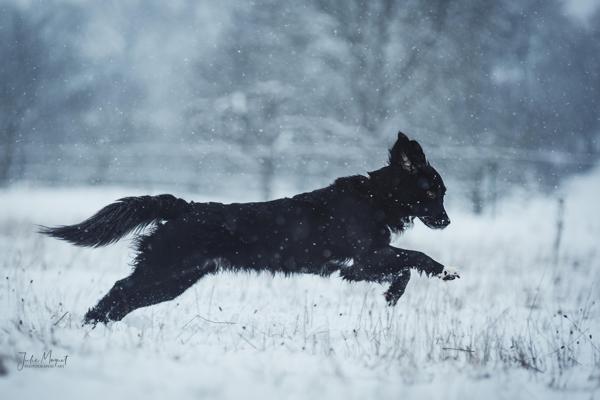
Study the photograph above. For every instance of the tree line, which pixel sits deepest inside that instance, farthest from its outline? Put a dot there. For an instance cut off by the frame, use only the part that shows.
(269, 77)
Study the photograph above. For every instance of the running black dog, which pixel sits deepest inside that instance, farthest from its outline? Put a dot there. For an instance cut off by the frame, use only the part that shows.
(345, 226)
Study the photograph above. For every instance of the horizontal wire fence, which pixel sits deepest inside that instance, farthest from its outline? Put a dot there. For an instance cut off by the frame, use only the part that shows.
(477, 174)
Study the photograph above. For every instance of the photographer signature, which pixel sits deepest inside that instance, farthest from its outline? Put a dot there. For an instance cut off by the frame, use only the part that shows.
(47, 360)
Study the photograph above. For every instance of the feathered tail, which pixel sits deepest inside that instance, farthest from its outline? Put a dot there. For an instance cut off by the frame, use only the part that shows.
(118, 219)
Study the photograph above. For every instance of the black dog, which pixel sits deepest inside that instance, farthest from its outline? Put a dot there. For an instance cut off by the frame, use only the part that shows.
(345, 226)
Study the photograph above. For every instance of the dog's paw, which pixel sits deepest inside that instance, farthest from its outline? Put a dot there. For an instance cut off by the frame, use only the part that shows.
(448, 274)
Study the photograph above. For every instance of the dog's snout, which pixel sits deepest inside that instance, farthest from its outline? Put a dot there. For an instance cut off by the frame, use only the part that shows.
(444, 220)
(436, 222)
(441, 223)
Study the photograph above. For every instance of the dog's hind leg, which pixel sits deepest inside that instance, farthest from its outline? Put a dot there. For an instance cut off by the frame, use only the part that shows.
(148, 286)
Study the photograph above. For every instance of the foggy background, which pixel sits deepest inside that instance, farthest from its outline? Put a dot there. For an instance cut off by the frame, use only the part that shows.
(240, 101)
(272, 97)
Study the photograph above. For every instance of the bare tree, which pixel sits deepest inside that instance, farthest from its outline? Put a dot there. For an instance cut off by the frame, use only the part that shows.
(22, 54)
(33, 74)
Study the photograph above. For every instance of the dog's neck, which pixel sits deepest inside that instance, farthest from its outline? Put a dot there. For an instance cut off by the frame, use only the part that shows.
(368, 190)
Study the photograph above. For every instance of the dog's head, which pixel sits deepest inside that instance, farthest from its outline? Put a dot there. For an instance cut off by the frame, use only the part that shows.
(410, 186)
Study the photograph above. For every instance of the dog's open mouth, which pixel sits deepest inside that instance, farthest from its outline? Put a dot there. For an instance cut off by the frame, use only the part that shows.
(436, 222)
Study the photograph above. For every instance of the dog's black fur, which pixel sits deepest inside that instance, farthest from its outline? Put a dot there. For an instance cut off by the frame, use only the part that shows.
(345, 226)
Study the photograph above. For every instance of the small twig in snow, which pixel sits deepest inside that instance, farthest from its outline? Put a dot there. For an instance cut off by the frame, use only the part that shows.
(458, 349)
(247, 341)
(61, 318)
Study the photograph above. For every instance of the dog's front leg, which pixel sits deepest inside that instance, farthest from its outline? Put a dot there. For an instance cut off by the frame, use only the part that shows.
(381, 265)
(391, 264)
(397, 287)
(422, 263)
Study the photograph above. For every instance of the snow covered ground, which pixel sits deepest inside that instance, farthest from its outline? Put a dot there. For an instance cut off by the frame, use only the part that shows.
(522, 322)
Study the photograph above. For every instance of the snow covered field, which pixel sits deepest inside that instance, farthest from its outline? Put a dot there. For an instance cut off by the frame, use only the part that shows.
(522, 322)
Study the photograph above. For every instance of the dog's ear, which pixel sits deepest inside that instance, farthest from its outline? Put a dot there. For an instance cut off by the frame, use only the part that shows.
(416, 154)
(398, 151)
(407, 154)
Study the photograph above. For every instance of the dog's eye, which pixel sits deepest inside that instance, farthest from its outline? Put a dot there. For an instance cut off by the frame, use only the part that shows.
(430, 194)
